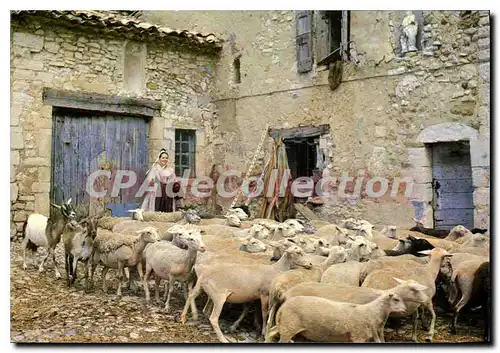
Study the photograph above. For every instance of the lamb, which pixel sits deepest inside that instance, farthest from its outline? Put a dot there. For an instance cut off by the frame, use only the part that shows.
(462, 282)
(171, 262)
(244, 283)
(78, 238)
(42, 231)
(424, 274)
(323, 320)
(407, 290)
(283, 230)
(386, 262)
(119, 252)
(295, 224)
(333, 234)
(286, 280)
(458, 233)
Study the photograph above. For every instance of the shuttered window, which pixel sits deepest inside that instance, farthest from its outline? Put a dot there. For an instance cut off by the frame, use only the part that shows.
(304, 41)
(185, 151)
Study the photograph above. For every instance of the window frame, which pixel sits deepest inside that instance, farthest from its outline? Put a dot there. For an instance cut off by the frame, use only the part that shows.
(184, 140)
(344, 38)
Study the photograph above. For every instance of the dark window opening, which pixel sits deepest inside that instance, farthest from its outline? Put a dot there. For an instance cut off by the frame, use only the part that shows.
(332, 36)
(236, 70)
(185, 151)
(302, 157)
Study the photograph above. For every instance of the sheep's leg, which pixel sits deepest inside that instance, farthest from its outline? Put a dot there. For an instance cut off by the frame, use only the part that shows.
(219, 299)
(157, 288)
(145, 281)
(191, 302)
(190, 288)
(244, 313)
(430, 307)
(120, 278)
(264, 300)
(93, 266)
(456, 310)
(270, 319)
(104, 272)
(273, 331)
(207, 309)
(165, 291)
(415, 325)
(170, 289)
(25, 246)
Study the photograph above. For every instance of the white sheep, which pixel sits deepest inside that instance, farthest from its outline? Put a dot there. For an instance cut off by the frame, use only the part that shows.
(240, 284)
(172, 263)
(322, 320)
(116, 250)
(42, 231)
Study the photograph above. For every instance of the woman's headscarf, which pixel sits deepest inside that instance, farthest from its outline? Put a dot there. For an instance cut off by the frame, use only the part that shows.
(162, 151)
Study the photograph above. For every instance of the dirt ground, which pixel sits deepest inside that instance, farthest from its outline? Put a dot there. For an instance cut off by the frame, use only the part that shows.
(43, 309)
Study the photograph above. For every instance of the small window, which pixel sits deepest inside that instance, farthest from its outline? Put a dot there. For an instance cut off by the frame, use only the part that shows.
(332, 36)
(236, 70)
(185, 151)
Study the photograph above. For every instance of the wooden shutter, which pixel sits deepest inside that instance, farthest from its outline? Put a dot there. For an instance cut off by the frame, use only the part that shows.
(304, 41)
(322, 36)
(345, 36)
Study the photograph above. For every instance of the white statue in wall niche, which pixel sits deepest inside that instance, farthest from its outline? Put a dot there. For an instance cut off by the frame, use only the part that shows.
(409, 33)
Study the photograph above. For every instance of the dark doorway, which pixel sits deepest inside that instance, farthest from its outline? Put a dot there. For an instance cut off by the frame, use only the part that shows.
(301, 153)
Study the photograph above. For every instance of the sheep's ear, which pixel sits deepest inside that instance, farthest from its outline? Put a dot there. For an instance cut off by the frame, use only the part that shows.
(400, 281)
(320, 242)
(418, 286)
(202, 231)
(425, 252)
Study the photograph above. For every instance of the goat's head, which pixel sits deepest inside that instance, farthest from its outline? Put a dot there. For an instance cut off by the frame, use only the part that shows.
(66, 209)
(419, 244)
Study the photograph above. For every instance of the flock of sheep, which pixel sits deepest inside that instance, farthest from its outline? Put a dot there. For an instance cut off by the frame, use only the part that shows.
(321, 281)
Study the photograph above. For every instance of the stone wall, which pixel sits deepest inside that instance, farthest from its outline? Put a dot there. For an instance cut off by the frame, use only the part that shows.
(377, 112)
(48, 55)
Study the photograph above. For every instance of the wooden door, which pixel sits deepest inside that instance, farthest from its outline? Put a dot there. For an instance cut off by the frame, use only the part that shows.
(452, 185)
(83, 142)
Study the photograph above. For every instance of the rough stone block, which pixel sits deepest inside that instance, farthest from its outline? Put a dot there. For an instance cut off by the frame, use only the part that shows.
(52, 47)
(28, 40)
(28, 64)
(480, 177)
(15, 113)
(42, 203)
(421, 175)
(14, 192)
(16, 140)
(38, 187)
(422, 192)
(480, 152)
(484, 72)
(200, 138)
(44, 174)
(20, 216)
(14, 158)
(36, 162)
(483, 55)
(481, 218)
(44, 142)
(419, 157)
(482, 197)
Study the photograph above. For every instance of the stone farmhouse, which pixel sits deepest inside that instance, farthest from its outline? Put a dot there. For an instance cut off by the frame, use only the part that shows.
(370, 95)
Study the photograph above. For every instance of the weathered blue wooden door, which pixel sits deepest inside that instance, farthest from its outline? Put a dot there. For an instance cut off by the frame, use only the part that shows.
(84, 142)
(452, 184)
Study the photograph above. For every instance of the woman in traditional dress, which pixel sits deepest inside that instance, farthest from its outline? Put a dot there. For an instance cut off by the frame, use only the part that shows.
(158, 200)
